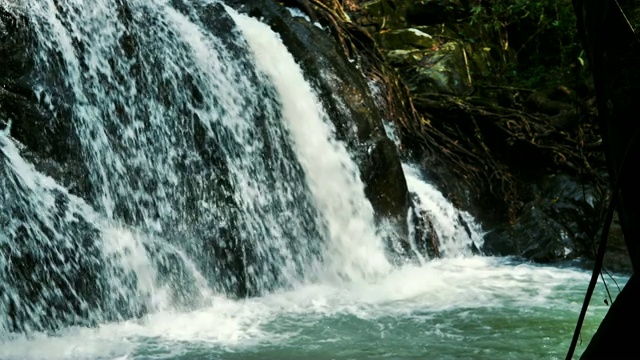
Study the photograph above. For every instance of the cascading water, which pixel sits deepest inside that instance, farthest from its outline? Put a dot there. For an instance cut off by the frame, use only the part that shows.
(333, 178)
(456, 232)
(63, 263)
(181, 136)
(435, 225)
(213, 172)
(203, 167)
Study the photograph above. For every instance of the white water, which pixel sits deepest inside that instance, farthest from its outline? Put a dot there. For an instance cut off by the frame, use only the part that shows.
(460, 287)
(456, 230)
(334, 179)
(212, 165)
(188, 137)
(123, 252)
(172, 138)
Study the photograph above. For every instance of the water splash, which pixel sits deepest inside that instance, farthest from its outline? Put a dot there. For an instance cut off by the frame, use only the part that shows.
(459, 299)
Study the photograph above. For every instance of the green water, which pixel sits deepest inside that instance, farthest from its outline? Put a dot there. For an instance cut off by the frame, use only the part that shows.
(474, 308)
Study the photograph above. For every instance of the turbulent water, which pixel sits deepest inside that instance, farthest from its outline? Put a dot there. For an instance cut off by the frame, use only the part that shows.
(456, 232)
(464, 308)
(213, 172)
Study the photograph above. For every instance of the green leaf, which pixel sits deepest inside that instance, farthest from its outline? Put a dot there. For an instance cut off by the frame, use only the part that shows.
(581, 60)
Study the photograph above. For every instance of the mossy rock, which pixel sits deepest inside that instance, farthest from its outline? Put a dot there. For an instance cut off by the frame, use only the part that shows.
(405, 39)
(387, 14)
(443, 70)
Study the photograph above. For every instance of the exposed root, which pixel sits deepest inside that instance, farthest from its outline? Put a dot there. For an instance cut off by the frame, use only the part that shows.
(471, 135)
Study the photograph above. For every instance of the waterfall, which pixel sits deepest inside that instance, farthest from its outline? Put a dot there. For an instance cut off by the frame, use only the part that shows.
(212, 169)
(182, 136)
(456, 232)
(432, 220)
(333, 178)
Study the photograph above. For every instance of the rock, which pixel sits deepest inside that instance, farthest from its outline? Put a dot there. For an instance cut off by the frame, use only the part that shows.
(385, 14)
(436, 59)
(393, 14)
(406, 39)
(384, 179)
(557, 224)
(441, 70)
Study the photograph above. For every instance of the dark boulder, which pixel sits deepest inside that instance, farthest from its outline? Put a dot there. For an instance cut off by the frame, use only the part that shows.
(382, 172)
(51, 145)
(557, 224)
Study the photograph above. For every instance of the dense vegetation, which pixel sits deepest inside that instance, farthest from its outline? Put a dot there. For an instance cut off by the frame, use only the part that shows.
(543, 38)
(501, 112)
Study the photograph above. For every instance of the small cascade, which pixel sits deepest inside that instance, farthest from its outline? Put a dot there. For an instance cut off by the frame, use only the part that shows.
(436, 226)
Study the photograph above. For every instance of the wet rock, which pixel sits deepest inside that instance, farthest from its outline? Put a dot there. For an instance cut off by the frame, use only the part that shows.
(558, 224)
(384, 179)
(51, 145)
(51, 272)
(442, 70)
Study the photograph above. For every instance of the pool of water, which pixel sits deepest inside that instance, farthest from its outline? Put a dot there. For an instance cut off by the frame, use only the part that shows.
(467, 308)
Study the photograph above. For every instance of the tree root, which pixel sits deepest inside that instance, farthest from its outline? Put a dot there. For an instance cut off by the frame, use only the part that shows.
(470, 135)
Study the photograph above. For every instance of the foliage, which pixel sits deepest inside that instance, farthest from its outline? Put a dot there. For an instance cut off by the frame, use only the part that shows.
(542, 35)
